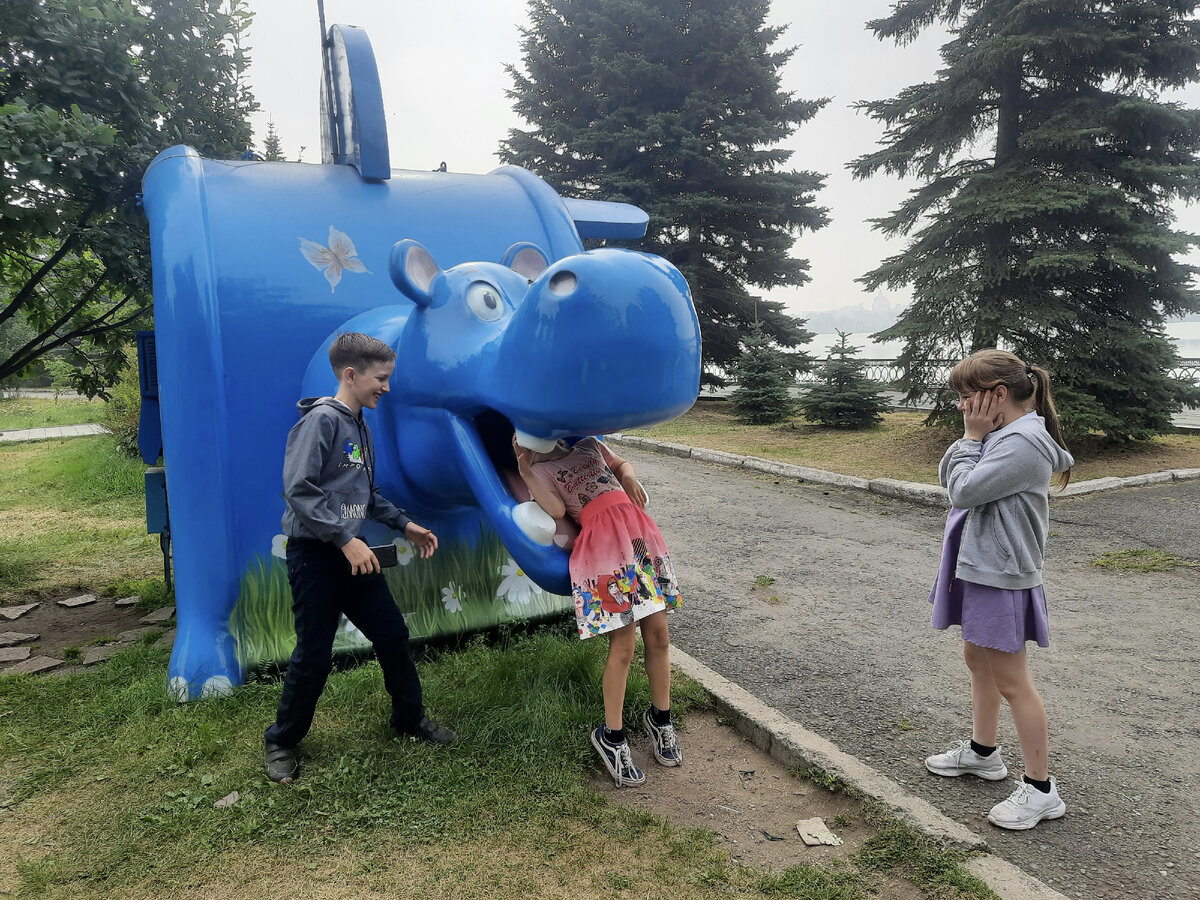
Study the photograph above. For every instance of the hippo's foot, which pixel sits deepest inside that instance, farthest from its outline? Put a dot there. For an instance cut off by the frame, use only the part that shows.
(181, 690)
(203, 662)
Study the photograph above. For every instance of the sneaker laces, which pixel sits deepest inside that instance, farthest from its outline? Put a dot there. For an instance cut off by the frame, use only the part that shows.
(624, 761)
(666, 737)
(1021, 794)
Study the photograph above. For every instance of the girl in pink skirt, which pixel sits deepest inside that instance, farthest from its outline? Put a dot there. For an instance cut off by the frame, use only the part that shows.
(620, 575)
(990, 579)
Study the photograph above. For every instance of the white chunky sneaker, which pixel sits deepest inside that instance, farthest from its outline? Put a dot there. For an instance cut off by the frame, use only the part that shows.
(1027, 806)
(960, 759)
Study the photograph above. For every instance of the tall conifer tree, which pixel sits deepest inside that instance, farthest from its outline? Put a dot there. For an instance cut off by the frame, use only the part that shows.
(1043, 223)
(677, 108)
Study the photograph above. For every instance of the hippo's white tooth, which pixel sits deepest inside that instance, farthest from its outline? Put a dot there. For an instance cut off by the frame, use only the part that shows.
(532, 442)
(535, 522)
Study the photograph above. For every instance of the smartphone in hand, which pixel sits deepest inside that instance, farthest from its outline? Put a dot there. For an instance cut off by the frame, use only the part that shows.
(386, 554)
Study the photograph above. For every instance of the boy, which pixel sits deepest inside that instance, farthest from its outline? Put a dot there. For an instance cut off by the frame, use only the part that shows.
(329, 485)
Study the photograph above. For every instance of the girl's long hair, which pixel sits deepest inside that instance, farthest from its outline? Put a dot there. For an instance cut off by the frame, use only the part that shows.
(986, 370)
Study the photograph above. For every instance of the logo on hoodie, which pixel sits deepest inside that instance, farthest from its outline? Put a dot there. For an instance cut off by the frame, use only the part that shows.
(353, 453)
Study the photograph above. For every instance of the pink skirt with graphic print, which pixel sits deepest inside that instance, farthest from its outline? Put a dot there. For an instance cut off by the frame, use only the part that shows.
(620, 569)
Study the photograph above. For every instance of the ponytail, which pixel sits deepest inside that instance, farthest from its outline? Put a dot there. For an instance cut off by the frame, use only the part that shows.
(1043, 402)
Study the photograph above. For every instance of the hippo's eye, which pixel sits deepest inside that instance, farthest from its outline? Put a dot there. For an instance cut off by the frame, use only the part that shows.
(485, 301)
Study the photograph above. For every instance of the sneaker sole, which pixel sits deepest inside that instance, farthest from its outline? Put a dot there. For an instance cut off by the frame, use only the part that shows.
(1056, 813)
(996, 775)
(617, 779)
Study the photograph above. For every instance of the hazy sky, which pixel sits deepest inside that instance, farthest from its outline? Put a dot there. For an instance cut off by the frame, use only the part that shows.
(442, 69)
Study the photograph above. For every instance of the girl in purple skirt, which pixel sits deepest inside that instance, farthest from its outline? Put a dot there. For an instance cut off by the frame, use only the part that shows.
(620, 575)
(990, 578)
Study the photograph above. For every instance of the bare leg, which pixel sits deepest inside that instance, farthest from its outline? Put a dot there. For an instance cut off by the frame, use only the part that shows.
(657, 640)
(985, 696)
(616, 674)
(1010, 671)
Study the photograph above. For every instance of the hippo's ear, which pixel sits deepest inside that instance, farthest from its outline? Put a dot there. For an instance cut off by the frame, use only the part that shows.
(413, 271)
(526, 259)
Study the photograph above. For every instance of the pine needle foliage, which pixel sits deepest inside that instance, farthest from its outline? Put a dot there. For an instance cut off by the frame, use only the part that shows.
(845, 396)
(1043, 223)
(764, 375)
(677, 108)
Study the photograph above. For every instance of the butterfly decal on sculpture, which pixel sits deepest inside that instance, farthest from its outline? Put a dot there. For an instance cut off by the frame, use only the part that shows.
(332, 260)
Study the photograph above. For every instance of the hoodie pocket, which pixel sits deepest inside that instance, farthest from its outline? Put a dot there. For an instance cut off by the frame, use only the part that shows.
(1004, 547)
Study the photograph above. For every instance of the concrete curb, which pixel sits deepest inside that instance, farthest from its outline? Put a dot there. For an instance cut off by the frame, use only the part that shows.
(912, 491)
(54, 431)
(793, 745)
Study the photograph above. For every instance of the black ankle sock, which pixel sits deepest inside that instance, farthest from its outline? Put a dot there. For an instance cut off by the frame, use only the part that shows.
(660, 717)
(1043, 786)
(614, 737)
(981, 749)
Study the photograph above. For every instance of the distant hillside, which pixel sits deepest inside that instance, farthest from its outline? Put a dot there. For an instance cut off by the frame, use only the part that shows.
(861, 319)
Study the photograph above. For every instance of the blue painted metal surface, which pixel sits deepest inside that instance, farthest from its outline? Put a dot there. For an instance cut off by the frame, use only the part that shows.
(499, 318)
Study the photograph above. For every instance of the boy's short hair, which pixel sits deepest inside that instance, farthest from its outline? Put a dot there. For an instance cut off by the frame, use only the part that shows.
(359, 351)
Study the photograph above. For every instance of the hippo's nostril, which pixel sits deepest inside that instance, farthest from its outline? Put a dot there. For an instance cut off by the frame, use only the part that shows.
(563, 283)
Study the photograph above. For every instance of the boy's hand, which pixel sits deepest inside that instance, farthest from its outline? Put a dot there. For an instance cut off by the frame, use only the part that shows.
(360, 557)
(981, 415)
(423, 539)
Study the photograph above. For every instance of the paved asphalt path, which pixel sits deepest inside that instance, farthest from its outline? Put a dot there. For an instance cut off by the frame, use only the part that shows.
(841, 643)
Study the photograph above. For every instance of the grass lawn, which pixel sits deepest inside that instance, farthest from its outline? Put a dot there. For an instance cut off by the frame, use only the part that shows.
(107, 789)
(36, 412)
(902, 447)
(72, 516)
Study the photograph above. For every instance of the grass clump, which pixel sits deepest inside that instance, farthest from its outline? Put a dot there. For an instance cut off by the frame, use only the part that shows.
(1141, 561)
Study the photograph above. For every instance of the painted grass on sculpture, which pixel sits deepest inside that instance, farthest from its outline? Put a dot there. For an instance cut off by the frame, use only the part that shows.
(457, 591)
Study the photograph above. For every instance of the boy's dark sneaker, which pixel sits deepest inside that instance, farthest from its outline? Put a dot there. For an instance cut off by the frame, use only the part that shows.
(662, 741)
(617, 759)
(283, 767)
(430, 731)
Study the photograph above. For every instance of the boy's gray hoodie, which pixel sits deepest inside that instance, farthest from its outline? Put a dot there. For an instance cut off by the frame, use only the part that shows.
(1004, 481)
(328, 476)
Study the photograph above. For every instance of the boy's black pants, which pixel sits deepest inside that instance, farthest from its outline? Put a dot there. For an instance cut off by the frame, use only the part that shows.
(323, 589)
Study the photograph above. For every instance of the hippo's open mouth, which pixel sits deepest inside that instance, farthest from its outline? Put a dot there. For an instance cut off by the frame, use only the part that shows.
(496, 434)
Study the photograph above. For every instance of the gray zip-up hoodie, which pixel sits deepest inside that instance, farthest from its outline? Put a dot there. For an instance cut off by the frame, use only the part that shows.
(329, 475)
(1007, 493)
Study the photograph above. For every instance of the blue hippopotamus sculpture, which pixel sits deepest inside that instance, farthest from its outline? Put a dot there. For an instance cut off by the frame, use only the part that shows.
(502, 323)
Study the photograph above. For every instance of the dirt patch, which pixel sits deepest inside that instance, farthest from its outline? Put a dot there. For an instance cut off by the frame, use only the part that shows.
(60, 628)
(752, 802)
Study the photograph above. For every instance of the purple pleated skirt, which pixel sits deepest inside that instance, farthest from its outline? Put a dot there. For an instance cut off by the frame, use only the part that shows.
(990, 617)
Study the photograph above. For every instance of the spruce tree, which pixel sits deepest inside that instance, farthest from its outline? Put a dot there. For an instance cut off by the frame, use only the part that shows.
(764, 376)
(272, 149)
(678, 109)
(1043, 223)
(844, 397)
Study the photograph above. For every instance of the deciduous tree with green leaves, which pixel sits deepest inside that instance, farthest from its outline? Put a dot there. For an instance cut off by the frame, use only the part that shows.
(90, 91)
(1048, 163)
(844, 397)
(676, 107)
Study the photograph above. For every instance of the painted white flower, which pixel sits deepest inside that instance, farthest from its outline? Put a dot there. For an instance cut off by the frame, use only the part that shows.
(279, 546)
(340, 254)
(450, 598)
(515, 586)
(348, 627)
(405, 551)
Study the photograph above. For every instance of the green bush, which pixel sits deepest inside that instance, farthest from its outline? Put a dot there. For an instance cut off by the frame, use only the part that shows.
(124, 408)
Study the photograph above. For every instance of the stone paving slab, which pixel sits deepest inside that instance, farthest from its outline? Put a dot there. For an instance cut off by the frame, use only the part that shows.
(129, 637)
(34, 665)
(159, 615)
(167, 641)
(13, 654)
(11, 638)
(15, 612)
(81, 600)
(93, 655)
(126, 601)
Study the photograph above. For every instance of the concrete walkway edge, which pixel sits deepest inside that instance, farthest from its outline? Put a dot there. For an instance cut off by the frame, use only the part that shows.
(793, 745)
(54, 431)
(914, 492)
